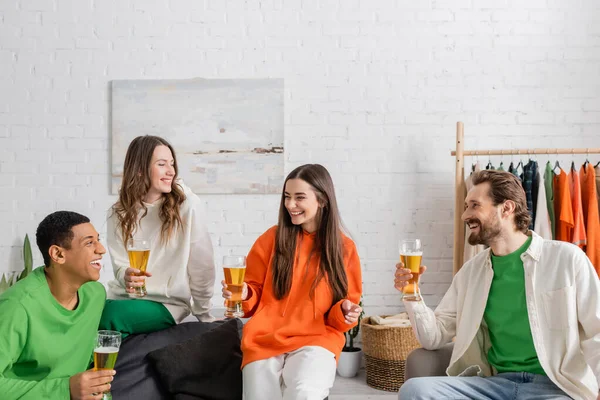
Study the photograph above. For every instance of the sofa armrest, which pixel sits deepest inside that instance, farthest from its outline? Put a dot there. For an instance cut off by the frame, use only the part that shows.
(421, 362)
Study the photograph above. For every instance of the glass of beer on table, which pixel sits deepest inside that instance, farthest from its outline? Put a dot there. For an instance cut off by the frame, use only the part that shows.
(105, 353)
(411, 254)
(234, 268)
(139, 252)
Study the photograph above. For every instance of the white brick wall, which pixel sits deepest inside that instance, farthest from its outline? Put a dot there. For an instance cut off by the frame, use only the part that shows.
(373, 91)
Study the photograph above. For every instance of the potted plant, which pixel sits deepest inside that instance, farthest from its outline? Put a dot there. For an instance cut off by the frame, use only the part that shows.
(351, 356)
(7, 280)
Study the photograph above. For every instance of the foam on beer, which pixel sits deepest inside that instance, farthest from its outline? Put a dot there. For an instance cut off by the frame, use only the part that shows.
(106, 350)
(411, 253)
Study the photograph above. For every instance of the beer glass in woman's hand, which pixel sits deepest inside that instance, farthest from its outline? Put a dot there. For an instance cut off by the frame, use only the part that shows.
(139, 252)
(234, 268)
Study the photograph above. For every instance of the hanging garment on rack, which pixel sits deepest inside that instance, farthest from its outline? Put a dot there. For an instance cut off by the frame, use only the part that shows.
(589, 202)
(528, 172)
(469, 250)
(563, 211)
(597, 170)
(513, 170)
(549, 188)
(542, 217)
(536, 186)
(579, 237)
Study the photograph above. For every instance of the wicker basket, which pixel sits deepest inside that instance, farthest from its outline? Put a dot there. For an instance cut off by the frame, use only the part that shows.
(385, 349)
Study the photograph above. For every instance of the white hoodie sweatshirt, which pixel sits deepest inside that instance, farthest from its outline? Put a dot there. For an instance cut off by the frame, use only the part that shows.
(183, 269)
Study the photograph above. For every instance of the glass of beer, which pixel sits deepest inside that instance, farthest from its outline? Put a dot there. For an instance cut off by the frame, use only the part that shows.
(139, 252)
(234, 268)
(411, 254)
(105, 353)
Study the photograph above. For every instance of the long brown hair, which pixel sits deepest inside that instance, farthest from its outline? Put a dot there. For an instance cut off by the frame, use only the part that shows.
(328, 245)
(135, 185)
(505, 186)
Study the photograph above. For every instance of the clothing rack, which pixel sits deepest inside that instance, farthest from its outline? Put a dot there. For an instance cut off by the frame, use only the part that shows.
(459, 184)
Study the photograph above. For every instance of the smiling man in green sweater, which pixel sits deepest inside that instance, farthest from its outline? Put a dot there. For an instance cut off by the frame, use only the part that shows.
(50, 319)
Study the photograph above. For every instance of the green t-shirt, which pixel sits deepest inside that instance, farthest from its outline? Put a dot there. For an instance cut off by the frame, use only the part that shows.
(507, 319)
(42, 344)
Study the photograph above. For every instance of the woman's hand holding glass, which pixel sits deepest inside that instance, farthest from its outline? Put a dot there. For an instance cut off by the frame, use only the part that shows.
(233, 301)
(227, 294)
(134, 278)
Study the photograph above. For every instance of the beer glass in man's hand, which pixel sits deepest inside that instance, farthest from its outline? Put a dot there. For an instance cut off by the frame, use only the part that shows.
(409, 269)
(106, 352)
(234, 268)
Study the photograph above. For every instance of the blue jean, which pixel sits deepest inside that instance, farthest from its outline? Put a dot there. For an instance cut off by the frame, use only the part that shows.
(504, 386)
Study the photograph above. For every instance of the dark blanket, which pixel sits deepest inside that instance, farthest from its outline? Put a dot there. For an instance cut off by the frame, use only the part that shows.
(206, 367)
(136, 377)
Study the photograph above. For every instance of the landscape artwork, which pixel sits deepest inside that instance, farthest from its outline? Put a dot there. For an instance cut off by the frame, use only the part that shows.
(227, 133)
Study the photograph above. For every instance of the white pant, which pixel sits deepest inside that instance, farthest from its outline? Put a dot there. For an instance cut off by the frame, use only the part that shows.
(305, 374)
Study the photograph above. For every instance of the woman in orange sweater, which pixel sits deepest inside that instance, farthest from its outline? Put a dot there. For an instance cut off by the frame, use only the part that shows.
(302, 286)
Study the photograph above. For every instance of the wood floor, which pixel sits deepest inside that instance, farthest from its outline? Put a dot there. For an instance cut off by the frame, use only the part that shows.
(356, 389)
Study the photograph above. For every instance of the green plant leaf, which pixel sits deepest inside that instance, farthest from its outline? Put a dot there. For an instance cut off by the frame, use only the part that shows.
(3, 284)
(27, 258)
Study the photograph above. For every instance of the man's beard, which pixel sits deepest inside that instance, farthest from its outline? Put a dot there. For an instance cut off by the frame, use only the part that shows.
(487, 232)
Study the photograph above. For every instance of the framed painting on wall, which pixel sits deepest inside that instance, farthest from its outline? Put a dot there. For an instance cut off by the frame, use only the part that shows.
(227, 133)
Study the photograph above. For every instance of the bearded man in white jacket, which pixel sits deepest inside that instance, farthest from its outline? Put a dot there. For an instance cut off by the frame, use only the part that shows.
(525, 313)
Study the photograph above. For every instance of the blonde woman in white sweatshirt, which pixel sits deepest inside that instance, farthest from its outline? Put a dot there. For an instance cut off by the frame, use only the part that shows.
(154, 205)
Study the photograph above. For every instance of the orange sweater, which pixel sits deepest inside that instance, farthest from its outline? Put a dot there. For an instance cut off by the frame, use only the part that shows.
(282, 326)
